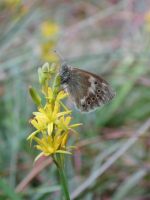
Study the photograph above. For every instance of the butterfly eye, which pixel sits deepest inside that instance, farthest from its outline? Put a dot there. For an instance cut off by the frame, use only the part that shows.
(97, 96)
(93, 99)
(98, 90)
(95, 82)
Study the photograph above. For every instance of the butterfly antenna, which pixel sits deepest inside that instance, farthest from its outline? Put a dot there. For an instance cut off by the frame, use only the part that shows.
(59, 55)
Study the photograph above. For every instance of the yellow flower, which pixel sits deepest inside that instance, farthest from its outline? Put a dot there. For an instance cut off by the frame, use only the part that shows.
(48, 116)
(47, 51)
(52, 144)
(63, 123)
(49, 29)
(52, 121)
(40, 122)
(53, 115)
(50, 32)
(61, 95)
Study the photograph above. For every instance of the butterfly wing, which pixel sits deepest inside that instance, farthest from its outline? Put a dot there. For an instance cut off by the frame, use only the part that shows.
(88, 90)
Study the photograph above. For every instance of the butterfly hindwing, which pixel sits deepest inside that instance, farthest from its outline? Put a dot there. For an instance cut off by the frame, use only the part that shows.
(88, 90)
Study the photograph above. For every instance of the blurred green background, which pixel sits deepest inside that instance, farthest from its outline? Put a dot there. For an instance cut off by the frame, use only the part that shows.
(108, 37)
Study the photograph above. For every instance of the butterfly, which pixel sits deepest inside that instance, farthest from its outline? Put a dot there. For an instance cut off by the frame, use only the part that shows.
(87, 90)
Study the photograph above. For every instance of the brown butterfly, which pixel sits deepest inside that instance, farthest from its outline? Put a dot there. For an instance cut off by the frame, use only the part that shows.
(86, 89)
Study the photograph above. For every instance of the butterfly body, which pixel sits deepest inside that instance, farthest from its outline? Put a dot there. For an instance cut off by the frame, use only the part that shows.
(86, 89)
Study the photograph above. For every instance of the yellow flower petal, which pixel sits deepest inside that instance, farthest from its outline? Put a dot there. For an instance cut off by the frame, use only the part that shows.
(38, 156)
(63, 113)
(64, 152)
(61, 95)
(50, 93)
(75, 125)
(32, 135)
(64, 140)
(56, 109)
(50, 128)
(65, 107)
(68, 119)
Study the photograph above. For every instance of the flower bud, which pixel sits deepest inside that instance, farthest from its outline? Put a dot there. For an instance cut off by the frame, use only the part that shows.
(35, 96)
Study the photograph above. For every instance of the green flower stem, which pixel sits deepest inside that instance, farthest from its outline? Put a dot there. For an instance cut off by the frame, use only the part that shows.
(64, 183)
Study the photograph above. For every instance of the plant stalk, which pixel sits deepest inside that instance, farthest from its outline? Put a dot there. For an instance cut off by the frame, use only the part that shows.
(63, 179)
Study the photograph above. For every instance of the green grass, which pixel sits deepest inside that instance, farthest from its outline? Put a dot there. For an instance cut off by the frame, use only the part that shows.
(104, 131)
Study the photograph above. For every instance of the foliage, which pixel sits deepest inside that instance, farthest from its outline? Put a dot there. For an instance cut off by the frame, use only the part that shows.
(110, 38)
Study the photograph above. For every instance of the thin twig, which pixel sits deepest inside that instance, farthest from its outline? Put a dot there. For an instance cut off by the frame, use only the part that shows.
(89, 181)
(36, 170)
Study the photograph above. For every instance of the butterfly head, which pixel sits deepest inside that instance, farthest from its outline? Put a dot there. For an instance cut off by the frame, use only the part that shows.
(64, 73)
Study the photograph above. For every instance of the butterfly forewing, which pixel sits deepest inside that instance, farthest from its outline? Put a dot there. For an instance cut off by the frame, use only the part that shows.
(88, 90)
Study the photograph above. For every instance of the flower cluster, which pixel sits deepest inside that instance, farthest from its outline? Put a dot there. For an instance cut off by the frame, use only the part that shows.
(49, 31)
(52, 121)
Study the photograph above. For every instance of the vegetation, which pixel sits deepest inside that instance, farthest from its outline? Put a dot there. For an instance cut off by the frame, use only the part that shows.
(110, 38)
